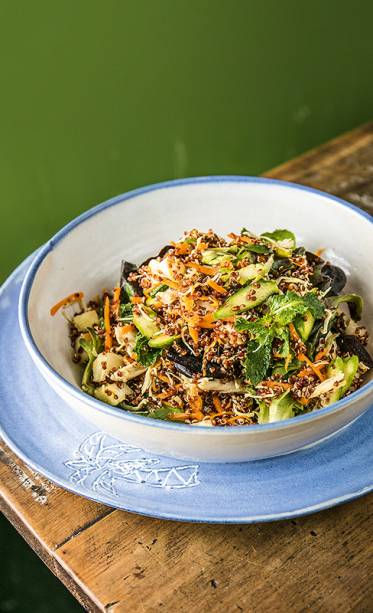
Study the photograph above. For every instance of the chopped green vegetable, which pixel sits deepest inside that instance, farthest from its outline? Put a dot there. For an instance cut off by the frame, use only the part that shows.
(346, 366)
(283, 241)
(146, 355)
(246, 298)
(355, 304)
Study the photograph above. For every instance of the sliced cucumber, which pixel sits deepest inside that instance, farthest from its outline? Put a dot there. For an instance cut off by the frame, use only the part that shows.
(255, 271)
(304, 324)
(144, 320)
(348, 367)
(85, 320)
(247, 298)
(162, 340)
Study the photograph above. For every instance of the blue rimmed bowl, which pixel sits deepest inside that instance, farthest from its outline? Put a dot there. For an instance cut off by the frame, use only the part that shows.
(85, 256)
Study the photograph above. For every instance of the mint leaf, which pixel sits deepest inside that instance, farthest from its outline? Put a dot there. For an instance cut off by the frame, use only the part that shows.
(145, 355)
(314, 305)
(255, 327)
(258, 357)
(283, 308)
(284, 238)
(283, 335)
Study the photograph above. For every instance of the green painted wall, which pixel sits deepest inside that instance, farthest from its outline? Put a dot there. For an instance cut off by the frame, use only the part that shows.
(99, 96)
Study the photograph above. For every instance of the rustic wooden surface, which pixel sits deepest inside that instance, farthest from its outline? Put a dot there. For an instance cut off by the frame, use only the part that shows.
(113, 561)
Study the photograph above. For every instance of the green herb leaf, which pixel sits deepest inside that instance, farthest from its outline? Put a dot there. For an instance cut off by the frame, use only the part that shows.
(283, 241)
(145, 355)
(258, 357)
(283, 308)
(125, 312)
(314, 305)
(283, 335)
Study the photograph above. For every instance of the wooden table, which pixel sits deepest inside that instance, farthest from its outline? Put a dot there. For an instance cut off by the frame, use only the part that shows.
(113, 561)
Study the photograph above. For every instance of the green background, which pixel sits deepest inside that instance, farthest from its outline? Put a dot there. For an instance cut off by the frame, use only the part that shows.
(98, 97)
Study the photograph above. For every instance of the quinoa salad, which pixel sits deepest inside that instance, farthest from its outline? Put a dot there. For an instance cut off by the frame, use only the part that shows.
(221, 332)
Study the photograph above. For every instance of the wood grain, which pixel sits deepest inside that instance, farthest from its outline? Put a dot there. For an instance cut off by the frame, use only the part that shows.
(113, 561)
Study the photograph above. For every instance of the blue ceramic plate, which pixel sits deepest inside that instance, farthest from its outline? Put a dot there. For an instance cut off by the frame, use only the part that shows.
(64, 447)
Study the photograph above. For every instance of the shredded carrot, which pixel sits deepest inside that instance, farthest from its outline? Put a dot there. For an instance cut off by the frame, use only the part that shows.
(206, 270)
(108, 337)
(136, 299)
(293, 333)
(316, 370)
(193, 333)
(207, 321)
(188, 302)
(116, 301)
(320, 355)
(282, 384)
(181, 248)
(76, 297)
(128, 328)
(171, 283)
(163, 378)
(230, 319)
(304, 401)
(217, 404)
(202, 246)
(182, 416)
(165, 394)
(319, 251)
(304, 372)
(218, 288)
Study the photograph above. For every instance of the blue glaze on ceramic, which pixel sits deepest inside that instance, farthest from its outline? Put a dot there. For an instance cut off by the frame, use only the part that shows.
(40, 428)
(166, 425)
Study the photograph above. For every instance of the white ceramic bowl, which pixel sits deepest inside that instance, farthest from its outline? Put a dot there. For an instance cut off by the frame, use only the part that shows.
(86, 254)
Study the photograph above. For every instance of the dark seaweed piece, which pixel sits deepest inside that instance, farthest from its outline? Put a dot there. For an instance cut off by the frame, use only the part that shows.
(213, 369)
(281, 265)
(327, 276)
(128, 288)
(337, 278)
(313, 258)
(162, 252)
(299, 251)
(188, 364)
(348, 343)
(314, 339)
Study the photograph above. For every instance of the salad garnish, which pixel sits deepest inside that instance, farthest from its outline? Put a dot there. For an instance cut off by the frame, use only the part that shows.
(222, 332)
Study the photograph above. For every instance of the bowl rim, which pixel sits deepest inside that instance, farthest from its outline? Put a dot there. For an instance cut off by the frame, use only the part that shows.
(71, 390)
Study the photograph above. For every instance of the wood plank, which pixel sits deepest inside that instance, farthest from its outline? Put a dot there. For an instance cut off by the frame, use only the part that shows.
(115, 561)
(315, 563)
(343, 167)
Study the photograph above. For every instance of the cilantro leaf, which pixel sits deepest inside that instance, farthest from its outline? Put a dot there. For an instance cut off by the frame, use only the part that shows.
(145, 355)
